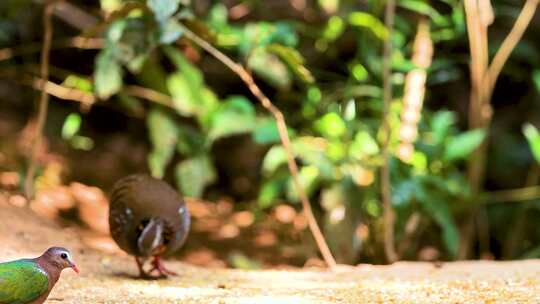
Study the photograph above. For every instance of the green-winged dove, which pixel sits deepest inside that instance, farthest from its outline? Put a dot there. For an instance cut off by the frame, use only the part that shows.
(29, 281)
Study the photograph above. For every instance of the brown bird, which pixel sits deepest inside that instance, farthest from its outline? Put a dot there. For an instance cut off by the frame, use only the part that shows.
(148, 219)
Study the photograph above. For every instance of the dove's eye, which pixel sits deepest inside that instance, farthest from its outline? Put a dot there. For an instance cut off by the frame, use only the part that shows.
(64, 255)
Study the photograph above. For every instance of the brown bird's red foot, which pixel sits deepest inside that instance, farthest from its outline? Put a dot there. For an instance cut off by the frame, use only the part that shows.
(158, 266)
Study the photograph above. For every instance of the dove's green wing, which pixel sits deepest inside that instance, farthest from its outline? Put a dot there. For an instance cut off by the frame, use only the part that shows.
(21, 282)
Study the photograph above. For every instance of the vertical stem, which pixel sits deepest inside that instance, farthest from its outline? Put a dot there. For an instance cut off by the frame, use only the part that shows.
(388, 212)
(43, 100)
(284, 137)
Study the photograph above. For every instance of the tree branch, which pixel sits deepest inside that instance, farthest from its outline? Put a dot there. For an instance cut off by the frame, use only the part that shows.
(148, 94)
(74, 42)
(283, 134)
(386, 191)
(513, 195)
(59, 91)
(510, 42)
(43, 100)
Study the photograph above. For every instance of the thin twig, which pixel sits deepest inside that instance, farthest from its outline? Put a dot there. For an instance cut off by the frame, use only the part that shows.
(513, 195)
(73, 15)
(74, 42)
(88, 99)
(510, 42)
(283, 134)
(148, 94)
(66, 93)
(43, 100)
(388, 212)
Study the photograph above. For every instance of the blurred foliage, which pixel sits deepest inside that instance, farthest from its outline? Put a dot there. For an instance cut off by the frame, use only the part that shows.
(321, 63)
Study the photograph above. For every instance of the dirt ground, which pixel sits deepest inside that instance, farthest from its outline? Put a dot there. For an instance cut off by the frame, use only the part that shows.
(108, 278)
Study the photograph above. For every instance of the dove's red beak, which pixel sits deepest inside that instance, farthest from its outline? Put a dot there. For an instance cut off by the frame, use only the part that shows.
(74, 267)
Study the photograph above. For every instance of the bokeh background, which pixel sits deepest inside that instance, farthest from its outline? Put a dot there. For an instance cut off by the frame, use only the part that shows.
(129, 92)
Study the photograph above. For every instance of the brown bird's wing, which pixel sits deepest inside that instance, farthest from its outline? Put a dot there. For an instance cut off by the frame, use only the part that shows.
(138, 198)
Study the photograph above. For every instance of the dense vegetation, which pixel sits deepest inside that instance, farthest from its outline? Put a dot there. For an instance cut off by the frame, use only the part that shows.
(321, 63)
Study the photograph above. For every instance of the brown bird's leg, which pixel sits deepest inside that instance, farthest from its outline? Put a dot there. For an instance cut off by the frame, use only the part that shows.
(158, 266)
(140, 265)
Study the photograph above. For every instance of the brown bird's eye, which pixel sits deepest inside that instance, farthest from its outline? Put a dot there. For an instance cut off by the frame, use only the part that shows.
(63, 256)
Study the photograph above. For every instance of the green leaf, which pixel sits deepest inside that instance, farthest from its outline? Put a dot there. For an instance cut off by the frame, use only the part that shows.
(259, 35)
(82, 143)
(78, 82)
(186, 86)
(364, 145)
(108, 75)
(194, 174)
(403, 192)
(334, 28)
(129, 41)
(438, 207)
(314, 94)
(441, 125)
(190, 140)
(313, 151)
(171, 31)
(336, 150)
(269, 67)
(234, 116)
(441, 215)
(369, 22)
(331, 125)
(163, 134)
(182, 94)
(294, 60)
(266, 132)
(359, 72)
(71, 126)
(218, 15)
(270, 191)
(460, 146)
(424, 8)
(116, 30)
(533, 137)
(192, 73)
(239, 260)
(419, 161)
(209, 103)
(536, 79)
(274, 158)
(163, 9)
(309, 178)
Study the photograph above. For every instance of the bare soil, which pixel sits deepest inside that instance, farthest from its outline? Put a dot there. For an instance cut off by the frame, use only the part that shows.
(109, 278)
